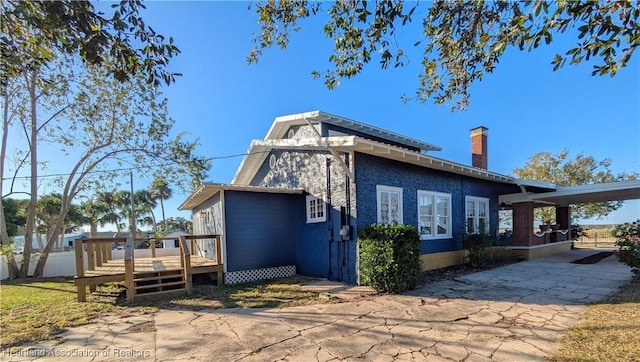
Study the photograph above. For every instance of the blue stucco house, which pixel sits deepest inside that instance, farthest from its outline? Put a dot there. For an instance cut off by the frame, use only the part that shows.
(300, 195)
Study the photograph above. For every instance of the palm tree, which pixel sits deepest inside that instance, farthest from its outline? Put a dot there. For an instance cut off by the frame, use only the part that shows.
(145, 203)
(161, 191)
(95, 213)
(110, 201)
(123, 206)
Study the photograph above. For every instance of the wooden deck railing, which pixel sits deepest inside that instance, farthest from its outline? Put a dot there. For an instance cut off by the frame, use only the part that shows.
(99, 252)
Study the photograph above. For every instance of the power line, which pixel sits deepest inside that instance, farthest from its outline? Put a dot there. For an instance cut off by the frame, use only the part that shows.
(122, 169)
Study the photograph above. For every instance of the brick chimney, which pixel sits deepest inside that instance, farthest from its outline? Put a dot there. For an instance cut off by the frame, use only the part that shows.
(479, 147)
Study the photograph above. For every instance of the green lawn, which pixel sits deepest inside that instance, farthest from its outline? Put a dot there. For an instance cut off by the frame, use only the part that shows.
(609, 331)
(39, 309)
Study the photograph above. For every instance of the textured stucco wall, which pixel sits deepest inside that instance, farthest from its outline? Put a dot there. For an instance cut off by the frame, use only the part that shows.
(372, 171)
(319, 250)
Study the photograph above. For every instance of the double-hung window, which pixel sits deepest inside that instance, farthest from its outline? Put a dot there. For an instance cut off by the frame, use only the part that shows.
(434, 215)
(389, 204)
(316, 209)
(477, 211)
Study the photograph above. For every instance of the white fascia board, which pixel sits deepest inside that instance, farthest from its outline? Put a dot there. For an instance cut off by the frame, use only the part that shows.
(186, 202)
(308, 143)
(613, 191)
(259, 150)
(599, 187)
(282, 123)
(250, 163)
(207, 190)
(535, 183)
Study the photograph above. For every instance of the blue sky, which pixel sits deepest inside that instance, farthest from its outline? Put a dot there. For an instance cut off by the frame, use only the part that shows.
(527, 107)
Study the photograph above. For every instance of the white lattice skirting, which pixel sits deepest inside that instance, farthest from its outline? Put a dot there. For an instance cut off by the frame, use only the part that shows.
(244, 276)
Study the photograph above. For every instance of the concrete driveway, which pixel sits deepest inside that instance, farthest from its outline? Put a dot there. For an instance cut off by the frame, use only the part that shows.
(512, 313)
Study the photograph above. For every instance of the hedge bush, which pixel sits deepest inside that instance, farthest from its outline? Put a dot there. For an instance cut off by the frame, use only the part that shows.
(628, 240)
(477, 245)
(390, 257)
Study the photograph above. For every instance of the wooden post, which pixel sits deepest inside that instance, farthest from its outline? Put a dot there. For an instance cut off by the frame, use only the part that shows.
(91, 255)
(128, 279)
(110, 251)
(218, 253)
(186, 263)
(81, 288)
(153, 247)
(105, 252)
(192, 250)
(98, 251)
(79, 258)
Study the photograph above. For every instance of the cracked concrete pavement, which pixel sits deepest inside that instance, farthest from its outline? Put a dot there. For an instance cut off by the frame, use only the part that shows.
(511, 313)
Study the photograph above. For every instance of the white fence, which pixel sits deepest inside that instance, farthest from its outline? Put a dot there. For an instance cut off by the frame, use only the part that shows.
(64, 264)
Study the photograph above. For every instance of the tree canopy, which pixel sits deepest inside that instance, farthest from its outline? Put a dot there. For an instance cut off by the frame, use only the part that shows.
(461, 40)
(35, 32)
(103, 128)
(564, 171)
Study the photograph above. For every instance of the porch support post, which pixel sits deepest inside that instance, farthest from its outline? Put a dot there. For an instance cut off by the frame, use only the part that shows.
(563, 219)
(523, 224)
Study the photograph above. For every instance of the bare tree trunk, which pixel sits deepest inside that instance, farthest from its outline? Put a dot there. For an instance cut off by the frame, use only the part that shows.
(94, 230)
(12, 267)
(61, 240)
(39, 239)
(33, 149)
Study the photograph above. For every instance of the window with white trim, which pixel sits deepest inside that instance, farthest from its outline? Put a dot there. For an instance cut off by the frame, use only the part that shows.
(389, 200)
(477, 214)
(434, 215)
(316, 209)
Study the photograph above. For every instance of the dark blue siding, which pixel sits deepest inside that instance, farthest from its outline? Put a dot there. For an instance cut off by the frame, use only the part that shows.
(261, 229)
(312, 251)
(372, 171)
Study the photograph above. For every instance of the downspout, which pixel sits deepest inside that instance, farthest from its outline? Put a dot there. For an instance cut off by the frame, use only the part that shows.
(329, 212)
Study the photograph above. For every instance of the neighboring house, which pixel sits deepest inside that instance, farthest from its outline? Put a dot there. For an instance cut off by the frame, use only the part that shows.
(300, 195)
(170, 240)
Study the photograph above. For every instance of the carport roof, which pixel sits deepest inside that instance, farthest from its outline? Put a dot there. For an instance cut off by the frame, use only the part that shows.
(207, 190)
(581, 194)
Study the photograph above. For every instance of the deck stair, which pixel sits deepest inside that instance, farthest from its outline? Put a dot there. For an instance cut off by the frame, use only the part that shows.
(148, 284)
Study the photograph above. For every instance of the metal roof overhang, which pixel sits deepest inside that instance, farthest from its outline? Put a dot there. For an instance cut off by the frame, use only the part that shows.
(207, 190)
(581, 194)
(282, 124)
(260, 148)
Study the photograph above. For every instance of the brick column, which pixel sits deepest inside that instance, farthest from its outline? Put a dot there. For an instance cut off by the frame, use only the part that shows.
(523, 224)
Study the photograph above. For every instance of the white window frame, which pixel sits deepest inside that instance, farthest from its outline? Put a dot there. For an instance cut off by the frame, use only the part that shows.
(476, 215)
(380, 189)
(434, 221)
(312, 215)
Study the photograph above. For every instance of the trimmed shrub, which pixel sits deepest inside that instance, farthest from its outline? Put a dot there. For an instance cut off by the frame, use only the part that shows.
(477, 245)
(628, 241)
(390, 257)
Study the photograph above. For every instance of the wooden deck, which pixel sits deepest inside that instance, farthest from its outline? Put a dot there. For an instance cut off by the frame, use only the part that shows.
(199, 265)
(143, 276)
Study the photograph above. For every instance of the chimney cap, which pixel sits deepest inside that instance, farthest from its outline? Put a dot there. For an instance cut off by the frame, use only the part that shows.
(479, 130)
